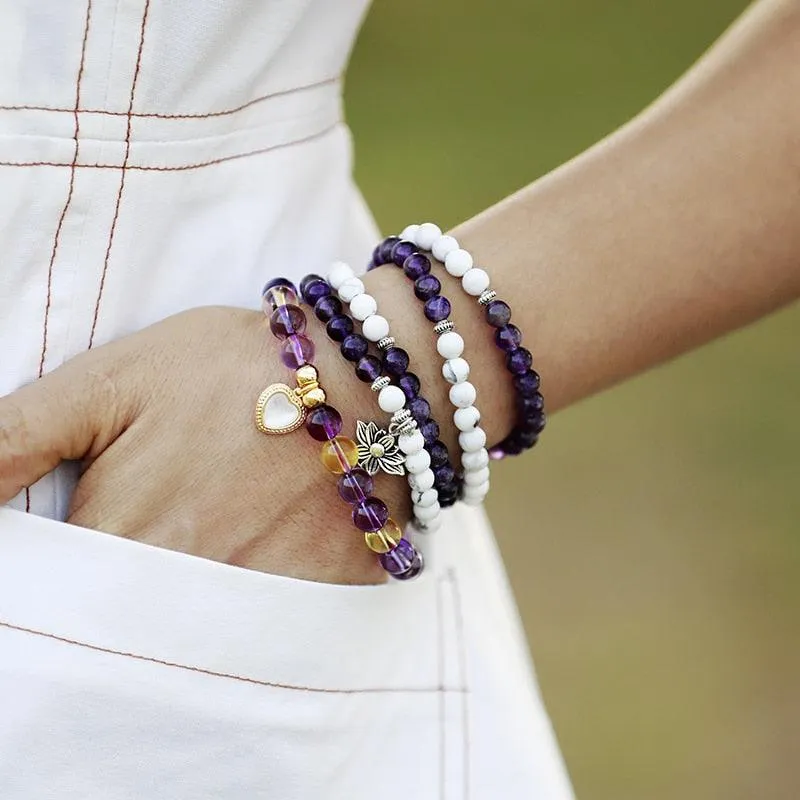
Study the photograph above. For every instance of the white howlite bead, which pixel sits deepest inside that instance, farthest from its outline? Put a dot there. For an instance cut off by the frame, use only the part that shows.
(375, 327)
(458, 262)
(476, 499)
(363, 306)
(463, 394)
(409, 233)
(473, 440)
(350, 289)
(475, 460)
(427, 234)
(466, 418)
(418, 462)
(450, 345)
(455, 370)
(391, 399)
(423, 481)
(429, 526)
(475, 281)
(410, 443)
(339, 273)
(442, 246)
(427, 513)
(476, 478)
(424, 499)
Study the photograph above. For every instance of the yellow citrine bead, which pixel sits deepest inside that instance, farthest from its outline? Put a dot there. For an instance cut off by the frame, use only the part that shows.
(339, 454)
(385, 539)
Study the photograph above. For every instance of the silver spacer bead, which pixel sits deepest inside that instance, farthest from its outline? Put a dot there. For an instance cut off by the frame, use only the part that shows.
(409, 426)
(487, 297)
(386, 343)
(399, 417)
(445, 326)
(380, 383)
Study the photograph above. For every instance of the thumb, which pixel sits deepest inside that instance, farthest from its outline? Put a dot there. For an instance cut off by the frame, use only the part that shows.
(74, 412)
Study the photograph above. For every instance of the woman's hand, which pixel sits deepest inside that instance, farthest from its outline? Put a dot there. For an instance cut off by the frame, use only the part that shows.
(163, 422)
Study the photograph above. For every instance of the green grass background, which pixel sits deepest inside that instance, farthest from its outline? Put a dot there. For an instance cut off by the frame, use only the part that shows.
(653, 538)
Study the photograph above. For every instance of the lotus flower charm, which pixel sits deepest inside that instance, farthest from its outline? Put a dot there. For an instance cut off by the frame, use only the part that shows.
(378, 450)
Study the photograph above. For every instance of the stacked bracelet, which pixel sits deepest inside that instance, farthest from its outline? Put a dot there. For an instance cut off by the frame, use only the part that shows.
(281, 409)
(475, 281)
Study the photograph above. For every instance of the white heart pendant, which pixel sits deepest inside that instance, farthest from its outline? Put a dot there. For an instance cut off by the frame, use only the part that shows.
(279, 410)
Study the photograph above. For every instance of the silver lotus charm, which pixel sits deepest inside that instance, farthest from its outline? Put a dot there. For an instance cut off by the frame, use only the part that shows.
(378, 450)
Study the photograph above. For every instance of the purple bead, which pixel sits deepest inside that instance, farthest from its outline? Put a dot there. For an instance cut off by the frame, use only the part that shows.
(339, 327)
(534, 423)
(508, 338)
(326, 308)
(409, 383)
(384, 250)
(355, 486)
(399, 559)
(368, 368)
(305, 282)
(526, 439)
(420, 409)
(278, 292)
(439, 455)
(437, 308)
(529, 406)
(395, 361)
(416, 265)
(527, 383)
(426, 287)
(354, 347)
(417, 565)
(315, 290)
(286, 320)
(279, 282)
(443, 476)
(429, 430)
(498, 313)
(511, 447)
(323, 423)
(448, 495)
(297, 351)
(519, 361)
(370, 514)
(497, 452)
(401, 251)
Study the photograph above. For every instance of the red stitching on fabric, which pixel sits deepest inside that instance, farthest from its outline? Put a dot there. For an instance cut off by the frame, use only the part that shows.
(462, 669)
(232, 676)
(206, 115)
(113, 229)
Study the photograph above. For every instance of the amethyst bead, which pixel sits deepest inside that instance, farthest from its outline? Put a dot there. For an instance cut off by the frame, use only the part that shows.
(508, 338)
(427, 287)
(278, 292)
(438, 453)
(409, 383)
(420, 410)
(368, 368)
(437, 308)
(417, 565)
(306, 281)
(498, 313)
(279, 282)
(526, 439)
(416, 265)
(395, 361)
(429, 430)
(315, 290)
(286, 320)
(326, 308)
(497, 452)
(355, 486)
(354, 347)
(519, 361)
(339, 327)
(528, 406)
(400, 559)
(528, 383)
(401, 251)
(370, 514)
(443, 476)
(384, 250)
(448, 495)
(324, 423)
(533, 424)
(297, 351)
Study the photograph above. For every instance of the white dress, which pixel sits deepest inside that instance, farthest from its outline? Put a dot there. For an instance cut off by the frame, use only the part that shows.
(157, 155)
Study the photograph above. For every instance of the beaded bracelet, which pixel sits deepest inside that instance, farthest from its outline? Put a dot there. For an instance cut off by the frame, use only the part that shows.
(450, 346)
(531, 418)
(281, 409)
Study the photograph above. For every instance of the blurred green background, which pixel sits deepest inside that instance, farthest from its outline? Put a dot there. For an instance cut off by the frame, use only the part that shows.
(659, 579)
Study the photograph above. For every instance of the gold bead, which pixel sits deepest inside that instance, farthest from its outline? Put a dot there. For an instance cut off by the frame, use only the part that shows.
(305, 375)
(314, 397)
(386, 539)
(339, 454)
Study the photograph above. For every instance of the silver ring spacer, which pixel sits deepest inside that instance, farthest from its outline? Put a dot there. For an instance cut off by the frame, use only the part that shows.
(399, 417)
(380, 383)
(386, 343)
(445, 326)
(487, 297)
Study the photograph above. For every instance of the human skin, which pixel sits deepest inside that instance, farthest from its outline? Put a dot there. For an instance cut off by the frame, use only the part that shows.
(679, 227)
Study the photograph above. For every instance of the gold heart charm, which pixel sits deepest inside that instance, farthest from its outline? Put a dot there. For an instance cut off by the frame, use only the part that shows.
(279, 410)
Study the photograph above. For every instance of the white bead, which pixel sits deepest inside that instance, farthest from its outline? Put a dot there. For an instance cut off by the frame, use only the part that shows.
(466, 418)
(473, 440)
(410, 443)
(430, 525)
(475, 460)
(475, 281)
(423, 481)
(428, 513)
(427, 234)
(442, 246)
(339, 273)
(463, 394)
(458, 262)
(391, 399)
(418, 462)
(455, 370)
(450, 345)
(409, 233)
(350, 289)
(363, 306)
(375, 327)
(476, 478)
(425, 499)
(476, 499)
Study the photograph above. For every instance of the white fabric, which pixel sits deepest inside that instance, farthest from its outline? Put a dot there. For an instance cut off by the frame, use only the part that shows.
(207, 153)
